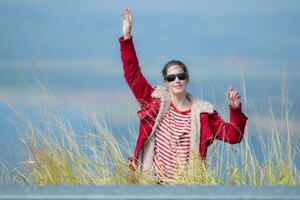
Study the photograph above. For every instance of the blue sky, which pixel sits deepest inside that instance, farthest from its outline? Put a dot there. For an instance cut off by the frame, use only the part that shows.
(73, 45)
(66, 30)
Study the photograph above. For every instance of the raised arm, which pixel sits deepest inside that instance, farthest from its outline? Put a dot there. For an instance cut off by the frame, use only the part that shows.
(233, 131)
(132, 72)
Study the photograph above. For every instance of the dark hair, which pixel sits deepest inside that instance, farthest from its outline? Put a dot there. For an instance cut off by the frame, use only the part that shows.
(174, 62)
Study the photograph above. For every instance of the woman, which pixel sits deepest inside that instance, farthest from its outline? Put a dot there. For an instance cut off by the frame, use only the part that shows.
(173, 124)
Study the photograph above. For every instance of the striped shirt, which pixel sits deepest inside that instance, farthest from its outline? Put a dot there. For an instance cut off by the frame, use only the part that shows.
(172, 144)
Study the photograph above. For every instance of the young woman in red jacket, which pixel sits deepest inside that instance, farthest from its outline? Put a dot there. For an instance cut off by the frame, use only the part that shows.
(173, 124)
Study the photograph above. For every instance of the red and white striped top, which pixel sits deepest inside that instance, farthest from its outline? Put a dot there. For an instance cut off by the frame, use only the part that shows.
(172, 144)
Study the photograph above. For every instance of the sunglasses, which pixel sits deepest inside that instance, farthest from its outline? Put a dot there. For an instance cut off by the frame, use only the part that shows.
(171, 77)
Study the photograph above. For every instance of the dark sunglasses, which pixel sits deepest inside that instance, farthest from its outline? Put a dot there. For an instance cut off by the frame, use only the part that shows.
(171, 77)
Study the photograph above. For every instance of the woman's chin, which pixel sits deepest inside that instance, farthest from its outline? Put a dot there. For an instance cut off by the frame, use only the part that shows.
(178, 91)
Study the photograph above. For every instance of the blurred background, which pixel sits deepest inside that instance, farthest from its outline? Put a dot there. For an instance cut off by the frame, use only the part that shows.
(72, 48)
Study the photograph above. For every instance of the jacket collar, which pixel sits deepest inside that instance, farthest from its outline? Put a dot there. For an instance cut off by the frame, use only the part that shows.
(199, 106)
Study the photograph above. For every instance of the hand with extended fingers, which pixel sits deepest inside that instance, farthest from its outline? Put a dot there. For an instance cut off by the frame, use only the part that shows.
(127, 22)
(233, 98)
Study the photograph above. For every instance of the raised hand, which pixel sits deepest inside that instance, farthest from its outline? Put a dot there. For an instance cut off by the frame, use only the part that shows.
(233, 98)
(127, 22)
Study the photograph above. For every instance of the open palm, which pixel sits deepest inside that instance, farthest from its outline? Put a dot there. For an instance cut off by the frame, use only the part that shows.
(233, 98)
(127, 22)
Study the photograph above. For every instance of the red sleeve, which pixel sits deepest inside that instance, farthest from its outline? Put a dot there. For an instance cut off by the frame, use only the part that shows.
(132, 72)
(231, 132)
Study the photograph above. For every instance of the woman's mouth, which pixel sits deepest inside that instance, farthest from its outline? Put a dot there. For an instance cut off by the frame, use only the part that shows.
(178, 86)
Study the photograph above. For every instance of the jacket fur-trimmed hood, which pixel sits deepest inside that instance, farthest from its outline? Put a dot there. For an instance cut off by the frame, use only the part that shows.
(199, 105)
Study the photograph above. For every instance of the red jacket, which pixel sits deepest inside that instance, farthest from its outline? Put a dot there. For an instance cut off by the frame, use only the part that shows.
(209, 125)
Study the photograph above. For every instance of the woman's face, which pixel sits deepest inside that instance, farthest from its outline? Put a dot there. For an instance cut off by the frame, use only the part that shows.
(177, 86)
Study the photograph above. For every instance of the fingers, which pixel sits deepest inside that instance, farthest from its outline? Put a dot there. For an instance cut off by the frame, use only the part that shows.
(130, 15)
(127, 13)
(132, 165)
(235, 94)
(231, 93)
(233, 98)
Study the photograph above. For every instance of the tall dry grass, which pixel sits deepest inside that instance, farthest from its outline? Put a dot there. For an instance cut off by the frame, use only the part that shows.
(57, 154)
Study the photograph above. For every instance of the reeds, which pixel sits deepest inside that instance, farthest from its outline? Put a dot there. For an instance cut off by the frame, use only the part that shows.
(57, 154)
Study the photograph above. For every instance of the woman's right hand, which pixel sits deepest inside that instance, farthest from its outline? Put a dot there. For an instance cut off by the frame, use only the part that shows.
(132, 170)
(127, 22)
(132, 166)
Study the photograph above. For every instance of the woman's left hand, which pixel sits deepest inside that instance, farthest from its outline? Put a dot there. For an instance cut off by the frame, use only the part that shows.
(233, 98)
